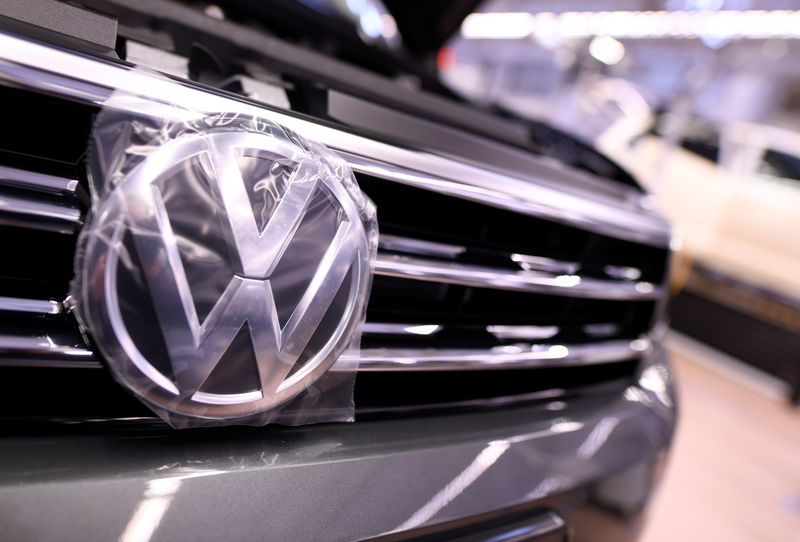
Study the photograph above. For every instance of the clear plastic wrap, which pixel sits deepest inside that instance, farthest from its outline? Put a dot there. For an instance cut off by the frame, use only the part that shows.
(225, 268)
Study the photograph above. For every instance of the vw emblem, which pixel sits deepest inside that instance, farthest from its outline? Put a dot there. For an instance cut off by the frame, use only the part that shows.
(227, 270)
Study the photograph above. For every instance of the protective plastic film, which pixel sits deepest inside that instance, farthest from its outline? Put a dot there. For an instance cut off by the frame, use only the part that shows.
(225, 268)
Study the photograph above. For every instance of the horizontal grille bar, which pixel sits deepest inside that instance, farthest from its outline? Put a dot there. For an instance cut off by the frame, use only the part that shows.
(94, 80)
(504, 357)
(522, 281)
(375, 328)
(19, 351)
(418, 246)
(31, 179)
(13, 205)
(37, 306)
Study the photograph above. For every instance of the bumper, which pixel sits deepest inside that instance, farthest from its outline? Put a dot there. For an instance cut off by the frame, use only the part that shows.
(589, 459)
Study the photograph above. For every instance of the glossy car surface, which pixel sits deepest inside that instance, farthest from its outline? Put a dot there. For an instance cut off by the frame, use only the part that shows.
(512, 381)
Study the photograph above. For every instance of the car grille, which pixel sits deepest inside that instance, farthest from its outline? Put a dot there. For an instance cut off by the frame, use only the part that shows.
(488, 289)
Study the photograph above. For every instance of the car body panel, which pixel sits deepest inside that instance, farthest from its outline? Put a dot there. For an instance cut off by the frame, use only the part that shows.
(333, 481)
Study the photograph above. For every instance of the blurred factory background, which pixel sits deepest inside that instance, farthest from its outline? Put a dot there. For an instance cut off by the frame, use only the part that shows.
(700, 100)
(581, 69)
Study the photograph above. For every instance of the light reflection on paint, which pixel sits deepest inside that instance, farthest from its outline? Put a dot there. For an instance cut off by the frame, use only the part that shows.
(480, 464)
(636, 395)
(464, 479)
(545, 487)
(597, 437)
(158, 495)
(562, 425)
(653, 378)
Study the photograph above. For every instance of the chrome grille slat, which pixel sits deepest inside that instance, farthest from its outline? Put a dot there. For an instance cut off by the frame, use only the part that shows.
(41, 181)
(42, 352)
(36, 306)
(24, 351)
(503, 357)
(380, 328)
(521, 281)
(523, 332)
(69, 218)
(538, 263)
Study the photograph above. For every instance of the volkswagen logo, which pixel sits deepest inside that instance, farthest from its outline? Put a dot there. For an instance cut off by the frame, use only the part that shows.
(227, 270)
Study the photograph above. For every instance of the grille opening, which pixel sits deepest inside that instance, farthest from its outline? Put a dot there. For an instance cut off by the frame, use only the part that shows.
(91, 395)
(412, 301)
(62, 329)
(37, 265)
(43, 135)
(65, 394)
(378, 391)
(491, 234)
(46, 134)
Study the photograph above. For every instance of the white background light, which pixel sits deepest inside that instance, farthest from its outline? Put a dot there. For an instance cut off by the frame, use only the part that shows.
(497, 25)
(733, 24)
(607, 50)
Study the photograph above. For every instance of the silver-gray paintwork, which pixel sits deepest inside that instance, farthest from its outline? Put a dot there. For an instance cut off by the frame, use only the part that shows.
(326, 482)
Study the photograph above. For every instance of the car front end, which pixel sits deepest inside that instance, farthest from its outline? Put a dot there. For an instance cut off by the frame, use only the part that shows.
(510, 377)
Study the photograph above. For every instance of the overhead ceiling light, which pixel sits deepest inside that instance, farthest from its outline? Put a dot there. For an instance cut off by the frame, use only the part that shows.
(607, 50)
(728, 24)
(497, 25)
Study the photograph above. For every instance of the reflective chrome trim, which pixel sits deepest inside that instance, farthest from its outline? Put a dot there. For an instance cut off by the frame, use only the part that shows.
(39, 306)
(503, 357)
(25, 178)
(622, 272)
(418, 246)
(42, 352)
(20, 351)
(522, 281)
(375, 328)
(547, 525)
(93, 80)
(537, 263)
(530, 333)
(39, 209)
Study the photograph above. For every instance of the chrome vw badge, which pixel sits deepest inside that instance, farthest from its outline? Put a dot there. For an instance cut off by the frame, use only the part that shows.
(226, 269)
